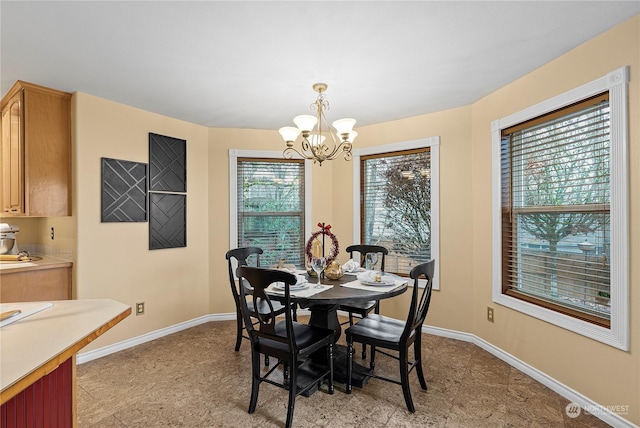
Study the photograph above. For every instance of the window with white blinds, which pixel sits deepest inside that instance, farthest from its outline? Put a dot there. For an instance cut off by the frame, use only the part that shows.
(270, 208)
(396, 206)
(556, 210)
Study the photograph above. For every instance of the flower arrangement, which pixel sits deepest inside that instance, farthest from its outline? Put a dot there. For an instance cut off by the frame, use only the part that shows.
(325, 230)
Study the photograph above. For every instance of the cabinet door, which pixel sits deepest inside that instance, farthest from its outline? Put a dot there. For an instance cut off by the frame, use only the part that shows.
(13, 156)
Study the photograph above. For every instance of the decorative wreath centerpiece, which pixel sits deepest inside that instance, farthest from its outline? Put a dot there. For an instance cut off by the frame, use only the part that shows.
(325, 230)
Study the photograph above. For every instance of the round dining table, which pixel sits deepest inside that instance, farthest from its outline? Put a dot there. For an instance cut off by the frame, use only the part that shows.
(324, 313)
(324, 305)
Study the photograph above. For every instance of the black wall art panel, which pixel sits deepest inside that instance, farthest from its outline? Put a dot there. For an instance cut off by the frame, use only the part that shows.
(167, 164)
(124, 191)
(167, 220)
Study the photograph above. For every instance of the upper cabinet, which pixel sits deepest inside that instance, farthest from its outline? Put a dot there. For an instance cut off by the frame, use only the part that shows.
(36, 152)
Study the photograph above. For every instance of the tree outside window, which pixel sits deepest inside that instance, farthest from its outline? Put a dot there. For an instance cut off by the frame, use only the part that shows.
(396, 206)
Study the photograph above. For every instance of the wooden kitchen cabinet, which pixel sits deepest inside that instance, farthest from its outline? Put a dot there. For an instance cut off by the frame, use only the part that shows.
(43, 283)
(36, 152)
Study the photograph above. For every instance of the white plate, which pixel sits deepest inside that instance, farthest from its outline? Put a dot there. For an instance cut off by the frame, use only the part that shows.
(383, 282)
(296, 287)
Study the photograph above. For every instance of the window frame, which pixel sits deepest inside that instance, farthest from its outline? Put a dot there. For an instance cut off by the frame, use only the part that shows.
(617, 335)
(234, 155)
(433, 143)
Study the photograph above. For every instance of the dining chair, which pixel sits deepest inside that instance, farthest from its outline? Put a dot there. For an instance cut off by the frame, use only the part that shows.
(241, 257)
(292, 343)
(363, 309)
(391, 334)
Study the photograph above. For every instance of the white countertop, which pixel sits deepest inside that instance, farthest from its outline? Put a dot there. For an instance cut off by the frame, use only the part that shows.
(46, 263)
(37, 344)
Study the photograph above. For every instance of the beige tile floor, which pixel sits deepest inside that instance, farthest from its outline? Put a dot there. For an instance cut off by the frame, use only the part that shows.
(194, 379)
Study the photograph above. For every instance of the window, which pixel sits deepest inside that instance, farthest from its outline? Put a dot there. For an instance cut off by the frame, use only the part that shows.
(397, 202)
(561, 211)
(269, 206)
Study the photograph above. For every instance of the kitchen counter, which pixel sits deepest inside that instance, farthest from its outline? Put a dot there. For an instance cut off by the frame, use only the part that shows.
(37, 344)
(47, 262)
(37, 359)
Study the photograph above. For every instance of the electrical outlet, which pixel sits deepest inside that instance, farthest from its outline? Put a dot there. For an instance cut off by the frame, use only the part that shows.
(53, 233)
(489, 314)
(140, 308)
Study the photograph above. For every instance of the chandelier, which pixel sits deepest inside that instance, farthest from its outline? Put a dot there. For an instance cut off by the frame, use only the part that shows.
(314, 130)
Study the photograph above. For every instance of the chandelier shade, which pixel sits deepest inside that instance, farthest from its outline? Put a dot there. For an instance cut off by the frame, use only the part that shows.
(318, 142)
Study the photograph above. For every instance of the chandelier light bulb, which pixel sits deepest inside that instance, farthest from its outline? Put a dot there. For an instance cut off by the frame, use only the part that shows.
(305, 122)
(316, 140)
(350, 137)
(344, 126)
(289, 133)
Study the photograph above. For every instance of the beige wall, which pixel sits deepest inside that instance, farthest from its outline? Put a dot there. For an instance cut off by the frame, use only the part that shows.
(177, 285)
(113, 259)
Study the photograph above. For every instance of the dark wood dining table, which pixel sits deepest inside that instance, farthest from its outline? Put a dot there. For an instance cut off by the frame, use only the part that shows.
(324, 313)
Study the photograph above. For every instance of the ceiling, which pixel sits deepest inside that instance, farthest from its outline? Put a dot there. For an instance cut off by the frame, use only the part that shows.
(244, 64)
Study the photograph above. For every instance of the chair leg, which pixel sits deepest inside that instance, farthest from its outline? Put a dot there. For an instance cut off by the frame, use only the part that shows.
(239, 328)
(349, 366)
(295, 312)
(364, 351)
(404, 380)
(266, 361)
(330, 359)
(293, 386)
(417, 352)
(372, 360)
(255, 383)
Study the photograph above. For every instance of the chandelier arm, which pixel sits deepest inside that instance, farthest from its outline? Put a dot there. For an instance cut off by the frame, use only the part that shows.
(290, 152)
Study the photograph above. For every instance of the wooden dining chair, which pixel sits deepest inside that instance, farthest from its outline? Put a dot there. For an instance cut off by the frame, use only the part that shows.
(241, 257)
(361, 310)
(289, 341)
(381, 332)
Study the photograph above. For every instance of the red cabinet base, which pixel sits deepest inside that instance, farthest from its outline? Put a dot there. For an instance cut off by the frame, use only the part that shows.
(46, 403)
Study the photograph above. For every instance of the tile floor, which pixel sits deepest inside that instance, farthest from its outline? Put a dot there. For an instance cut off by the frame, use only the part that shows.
(194, 379)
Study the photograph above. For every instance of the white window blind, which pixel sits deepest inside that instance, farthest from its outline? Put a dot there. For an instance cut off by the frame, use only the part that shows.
(270, 208)
(396, 206)
(556, 210)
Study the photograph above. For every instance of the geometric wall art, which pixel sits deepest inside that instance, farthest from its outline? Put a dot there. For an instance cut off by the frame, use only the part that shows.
(124, 191)
(167, 220)
(167, 187)
(167, 164)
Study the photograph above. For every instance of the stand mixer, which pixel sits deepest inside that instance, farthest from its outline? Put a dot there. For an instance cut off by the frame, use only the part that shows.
(8, 243)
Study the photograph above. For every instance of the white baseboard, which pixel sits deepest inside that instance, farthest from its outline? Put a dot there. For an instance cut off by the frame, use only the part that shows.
(570, 394)
(85, 357)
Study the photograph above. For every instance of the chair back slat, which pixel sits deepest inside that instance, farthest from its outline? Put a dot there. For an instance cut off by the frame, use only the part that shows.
(420, 300)
(260, 279)
(364, 249)
(240, 256)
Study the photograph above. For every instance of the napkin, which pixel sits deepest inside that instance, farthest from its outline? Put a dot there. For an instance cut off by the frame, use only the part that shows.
(350, 266)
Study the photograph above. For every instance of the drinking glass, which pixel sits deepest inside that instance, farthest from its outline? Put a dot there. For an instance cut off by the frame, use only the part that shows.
(370, 260)
(318, 264)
